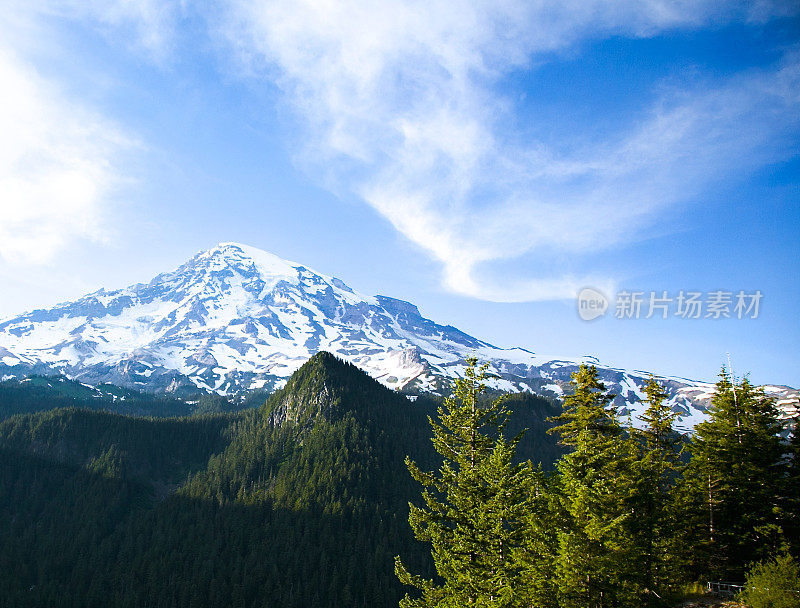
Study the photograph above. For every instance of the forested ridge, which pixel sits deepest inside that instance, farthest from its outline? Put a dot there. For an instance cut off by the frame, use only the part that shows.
(301, 502)
(630, 517)
(304, 501)
(38, 393)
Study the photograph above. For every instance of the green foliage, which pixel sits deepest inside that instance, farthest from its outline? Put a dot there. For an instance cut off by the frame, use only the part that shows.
(732, 491)
(653, 520)
(151, 450)
(475, 505)
(212, 404)
(530, 419)
(610, 526)
(592, 563)
(305, 500)
(773, 584)
(301, 503)
(541, 546)
(791, 506)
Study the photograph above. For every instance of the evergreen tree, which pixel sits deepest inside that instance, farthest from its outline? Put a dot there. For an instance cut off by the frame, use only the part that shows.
(475, 505)
(592, 564)
(792, 493)
(541, 541)
(654, 475)
(731, 491)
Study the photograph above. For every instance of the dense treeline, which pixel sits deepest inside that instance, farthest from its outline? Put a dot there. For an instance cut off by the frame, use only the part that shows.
(304, 501)
(301, 502)
(42, 393)
(630, 517)
(150, 450)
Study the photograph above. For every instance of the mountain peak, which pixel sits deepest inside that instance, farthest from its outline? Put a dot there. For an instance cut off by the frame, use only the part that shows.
(326, 386)
(239, 256)
(235, 317)
(322, 369)
(240, 251)
(252, 261)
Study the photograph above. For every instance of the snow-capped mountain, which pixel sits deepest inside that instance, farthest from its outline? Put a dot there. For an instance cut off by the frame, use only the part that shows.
(235, 318)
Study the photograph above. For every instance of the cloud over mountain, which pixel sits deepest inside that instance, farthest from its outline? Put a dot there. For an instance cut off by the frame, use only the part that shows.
(403, 106)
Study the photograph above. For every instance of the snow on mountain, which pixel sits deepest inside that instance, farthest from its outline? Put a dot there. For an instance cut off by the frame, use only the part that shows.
(234, 318)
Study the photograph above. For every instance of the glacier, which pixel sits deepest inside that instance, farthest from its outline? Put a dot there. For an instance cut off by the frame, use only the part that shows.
(235, 318)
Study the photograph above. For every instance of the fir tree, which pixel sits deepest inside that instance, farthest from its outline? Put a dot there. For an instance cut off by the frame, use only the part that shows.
(792, 486)
(654, 475)
(541, 541)
(592, 561)
(730, 492)
(475, 505)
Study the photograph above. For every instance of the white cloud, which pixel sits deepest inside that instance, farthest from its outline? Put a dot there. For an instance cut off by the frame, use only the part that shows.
(56, 166)
(147, 26)
(400, 108)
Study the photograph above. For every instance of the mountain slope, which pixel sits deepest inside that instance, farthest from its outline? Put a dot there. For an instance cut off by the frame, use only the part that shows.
(301, 503)
(235, 318)
(41, 393)
(232, 317)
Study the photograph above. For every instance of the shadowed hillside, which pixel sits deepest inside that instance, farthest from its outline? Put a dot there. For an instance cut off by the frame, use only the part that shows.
(302, 502)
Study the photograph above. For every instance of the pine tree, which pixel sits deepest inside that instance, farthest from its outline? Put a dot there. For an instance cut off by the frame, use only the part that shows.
(592, 561)
(792, 486)
(541, 541)
(475, 505)
(731, 489)
(654, 475)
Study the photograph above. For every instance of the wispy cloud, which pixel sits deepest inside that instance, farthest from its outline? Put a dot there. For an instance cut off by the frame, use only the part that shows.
(60, 158)
(400, 106)
(146, 26)
(56, 166)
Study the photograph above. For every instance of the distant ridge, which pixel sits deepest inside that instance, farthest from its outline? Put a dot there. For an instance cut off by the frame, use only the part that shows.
(235, 318)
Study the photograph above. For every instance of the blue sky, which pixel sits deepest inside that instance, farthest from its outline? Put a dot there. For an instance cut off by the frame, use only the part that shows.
(484, 160)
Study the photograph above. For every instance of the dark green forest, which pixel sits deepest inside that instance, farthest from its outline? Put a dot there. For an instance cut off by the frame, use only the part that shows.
(630, 517)
(42, 393)
(304, 500)
(300, 502)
